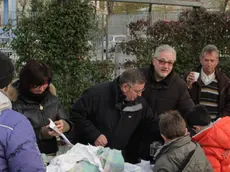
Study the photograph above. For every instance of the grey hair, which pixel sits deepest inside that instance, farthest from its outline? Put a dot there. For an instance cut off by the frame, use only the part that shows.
(163, 48)
(209, 49)
(132, 76)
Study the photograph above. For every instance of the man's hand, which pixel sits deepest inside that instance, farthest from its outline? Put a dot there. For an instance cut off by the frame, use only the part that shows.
(60, 125)
(190, 79)
(101, 141)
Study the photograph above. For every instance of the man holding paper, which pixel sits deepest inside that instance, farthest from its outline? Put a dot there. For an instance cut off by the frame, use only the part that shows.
(212, 87)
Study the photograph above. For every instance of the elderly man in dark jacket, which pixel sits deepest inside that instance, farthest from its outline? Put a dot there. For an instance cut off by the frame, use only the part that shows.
(179, 153)
(212, 88)
(107, 114)
(164, 89)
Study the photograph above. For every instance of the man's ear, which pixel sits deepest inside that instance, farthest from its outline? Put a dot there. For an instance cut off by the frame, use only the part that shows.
(201, 62)
(6, 89)
(125, 88)
(196, 128)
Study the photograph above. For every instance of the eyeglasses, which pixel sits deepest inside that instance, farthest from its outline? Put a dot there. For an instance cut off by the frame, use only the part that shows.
(163, 62)
(136, 91)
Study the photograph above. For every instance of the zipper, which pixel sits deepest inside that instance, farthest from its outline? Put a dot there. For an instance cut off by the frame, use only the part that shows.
(41, 107)
(42, 113)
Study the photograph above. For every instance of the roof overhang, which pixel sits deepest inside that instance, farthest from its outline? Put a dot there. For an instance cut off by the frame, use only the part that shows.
(187, 3)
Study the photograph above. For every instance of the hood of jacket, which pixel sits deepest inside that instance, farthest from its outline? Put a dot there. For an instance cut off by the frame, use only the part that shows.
(5, 102)
(12, 92)
(172, 144)
(182, 155)
(216, 136)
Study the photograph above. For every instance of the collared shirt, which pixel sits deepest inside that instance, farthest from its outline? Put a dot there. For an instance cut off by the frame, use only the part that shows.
(207, 79)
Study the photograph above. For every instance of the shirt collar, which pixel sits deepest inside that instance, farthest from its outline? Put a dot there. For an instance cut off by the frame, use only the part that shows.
(207, 79)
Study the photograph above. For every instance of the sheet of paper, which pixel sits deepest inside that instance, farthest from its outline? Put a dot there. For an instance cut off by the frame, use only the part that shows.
(54, 127)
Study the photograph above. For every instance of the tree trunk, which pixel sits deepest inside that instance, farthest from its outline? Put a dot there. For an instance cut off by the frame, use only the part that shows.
(225, 3)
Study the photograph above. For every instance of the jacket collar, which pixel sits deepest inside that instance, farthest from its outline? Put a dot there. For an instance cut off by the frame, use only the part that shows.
(172, 144)
(119, 96)
(33, 101)
(16, 95)
(167, 81)
(120, 101)
(222, 79)
(4, 102)
(209, 126)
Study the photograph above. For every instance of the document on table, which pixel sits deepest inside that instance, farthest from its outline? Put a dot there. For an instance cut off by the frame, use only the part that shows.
(145, 166)
(53, 126)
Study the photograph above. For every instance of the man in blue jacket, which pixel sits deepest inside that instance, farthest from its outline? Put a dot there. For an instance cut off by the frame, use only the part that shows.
(18, 148)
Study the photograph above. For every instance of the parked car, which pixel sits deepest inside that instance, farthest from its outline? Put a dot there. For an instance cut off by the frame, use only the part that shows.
(113, 40)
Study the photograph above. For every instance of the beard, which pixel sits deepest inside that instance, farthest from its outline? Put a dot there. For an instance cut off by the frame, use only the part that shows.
(161, 75)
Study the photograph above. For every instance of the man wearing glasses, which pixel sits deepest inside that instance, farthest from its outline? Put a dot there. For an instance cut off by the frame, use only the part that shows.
(164, 89)
(107, 114)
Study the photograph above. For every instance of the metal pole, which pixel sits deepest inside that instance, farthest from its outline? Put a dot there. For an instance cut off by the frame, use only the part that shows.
(106, 30)
(150, 15)
(14, 12)
(103, 47)
(6, 11)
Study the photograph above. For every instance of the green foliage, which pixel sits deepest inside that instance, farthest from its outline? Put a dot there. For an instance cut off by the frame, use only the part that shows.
(58, 35)
(195, 29)
(103, 71)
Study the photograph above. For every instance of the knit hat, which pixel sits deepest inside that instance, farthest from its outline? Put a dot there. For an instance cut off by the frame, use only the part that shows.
(6, 70)
(198, 115)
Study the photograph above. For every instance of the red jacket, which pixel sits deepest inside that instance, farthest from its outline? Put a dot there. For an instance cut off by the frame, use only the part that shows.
(215, 141)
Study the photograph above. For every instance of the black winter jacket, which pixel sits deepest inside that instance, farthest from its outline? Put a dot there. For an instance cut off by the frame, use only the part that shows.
(169, 94)
(102, 110)
(38, 115)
